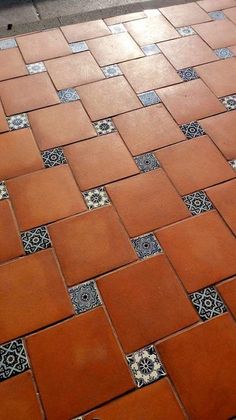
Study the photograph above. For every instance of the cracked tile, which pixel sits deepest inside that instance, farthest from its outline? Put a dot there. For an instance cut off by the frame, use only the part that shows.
(13, 359)
(146, 245)
(208, 303)
(85, 296)
(53, 157)
(147, 162)
(198, 202)
(96, 198)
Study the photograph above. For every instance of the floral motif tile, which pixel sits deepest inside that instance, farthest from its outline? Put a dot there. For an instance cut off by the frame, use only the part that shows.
(151, 49)
(198, 202)
(186, 31)
(149, 98)
(117, 29)
(77, 47)
(229, 102)
(104, 126)
(85, 296)
(146, 245)
(217, 15)
(35, 240)
(192, 130)
(3, 190)
(18, 121)
(188, 74)
(147, 162)
(111, 71)
(53, 157)
(208, 303)
(13, 359)
(68, 95)
(146, 366)
(7, 43)
(36, 67)
(233, 163)
(224, 53)
(96, 198)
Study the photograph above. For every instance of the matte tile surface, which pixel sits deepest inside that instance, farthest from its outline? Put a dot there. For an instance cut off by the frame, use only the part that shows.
(185, 14)
(219, 76)
(85, 30)
(10, 243)
(151, 30)
(12, 64)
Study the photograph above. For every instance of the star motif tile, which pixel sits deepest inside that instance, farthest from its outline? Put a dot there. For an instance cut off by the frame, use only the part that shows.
(77, 47)
(208, 303)
(147, 162)
(229, 102)
(198, 202)
(3, 191)
(53, 157)
(96, 197)
(146, 245)
(145, 366)
(104, 126)
(233, 163)
(16, 122)
(149, 98)
(192, 130)
(186, 31)
(68, 95)
(151, 49)
(112, 71)
(188, 74)
(223, 53)
(217, 15)
(7, 43)
(85, 296)
(13, 359)
(117, 29)
(36, 67)
(35, 240)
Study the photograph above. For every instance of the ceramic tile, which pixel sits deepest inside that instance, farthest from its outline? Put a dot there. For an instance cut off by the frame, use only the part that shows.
(149, 98)
(7, 43)
(3, 190)
(224, 53)
(85, 296)
(12, 64)
(77, 47)
(96, 198)
(198, 202)
(104, 126)
(111, 71)
(219, 76)
(35, 240)
(185, 14)
(3, 121)
(147, 162)
(117, 28)
(53, 157)
(68, 95)
(13, 359)
(151, 30)
(124, 18)
(233, 163)
(212, 5)
(151, 49)
(36, 67)
(18, 121)
(231, 13)
(229, 102)
(188, 74)
(146, 245)
(10, 243)
(192, 130)
(217, 15)
(227, 291)
(217, 34)
(152, 12)
(186, 31)
(85, 30)
(208, 303)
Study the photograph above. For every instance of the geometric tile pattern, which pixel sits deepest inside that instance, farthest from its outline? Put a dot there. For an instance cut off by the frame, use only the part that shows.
(96, 197)
(198, 202)
(13, 359)
(147, 162)
(146, 245)
(7, 43)
(188, 74)
(111, 71)
(186, 31)
(104, 126)
(77, 47)
(217, 15)
(208, 303)
(68, 95)
(149, 98)
(229, 102)
(151, 49)
(35, 240)
(192, 130)
(223, 53)
(117, 29)
(85, 296)
(53, 157)
(3, 190)
(36, 67)
(233, 163)
(18, 121)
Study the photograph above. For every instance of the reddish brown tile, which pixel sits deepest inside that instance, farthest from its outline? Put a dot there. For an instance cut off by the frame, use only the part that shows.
(217, 34)
(124, 18)
(151, 30)
(227, 290)
(12, 64)
(85, 30)
(231, 13)
(3, 122)
(10, 243)
(220, 77)
(185, 14)
(211, 5)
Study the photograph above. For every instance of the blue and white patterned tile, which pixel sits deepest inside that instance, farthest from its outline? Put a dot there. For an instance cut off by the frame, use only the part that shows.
(229, 102)
(68, 95)
(151, 49)
(146, 245)
(192, 130)
(186, 31)
(7, 43)
(96, 197)
(149, 98)
(198, 202)
(18, 121)
(36, 67)
(188, 74)
(85, 296)
(77, 47)
(104, 126)
(3, 191)
(147, 162)
(117, 29)
(223, 53)
(112, 71)
(13, 359)
(53, 157)
(233, 164)
(217, 15)
(35, 240)
(208, 303)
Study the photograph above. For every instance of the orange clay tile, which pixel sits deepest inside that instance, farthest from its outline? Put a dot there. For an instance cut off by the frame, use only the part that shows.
(148, 128)
(90, 356)
(214, 355)
(185, 14)
(91, 244)
(60, 124)
(85, 30)
(10, 243)
(3, 122)
(217, 34)
(146, 202)
(194, 164)
(227, 290)
(187, 244)
(211, 5)
(43, 45)
(100, 161)
(12, 64)
(124, 18)
(231, 13)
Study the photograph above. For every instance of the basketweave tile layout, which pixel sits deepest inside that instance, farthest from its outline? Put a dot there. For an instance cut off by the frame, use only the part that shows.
(161, 193)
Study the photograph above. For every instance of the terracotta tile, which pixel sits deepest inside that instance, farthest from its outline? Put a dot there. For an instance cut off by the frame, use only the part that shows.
(187, 52)
(124, 18)
(3, 122)
(227, 290)
(223, 197)
(114, 49)
(149, 73)
(43, 45)
(60, 124)
(208, 396)
(185, 14)
(117, 88)
(231, 13)
(217, 34)
(10, 243)
(18, 395)
(85, 30)
(152, 402)
(152, 303)
(151, 30)
(99, 161)
(190, 101)
(201, 249)
(194, 165)
(211, 5)
(220, 77)
(86, 360)
(146, 202)
(26, 93)
(44, 196)
(74, 70)
(19, 154)
(12, 64)
(103, 244)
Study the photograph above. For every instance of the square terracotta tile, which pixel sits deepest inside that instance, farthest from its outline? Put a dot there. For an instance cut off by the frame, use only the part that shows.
(146, 202)
(114, 49)
(223, 197)
(43, 45)
(33, 295)
(194, 165)
(12, 64)
(27, 93)
(3, 121)
(231, 13)
(185, 14)
(201, 249)
(85, 30)
(44, 196)
(211, 5)
(124, 18)
(149, 73)
(75, 70)
(227, 290)
(113, 96)
(102, 246)
(86, 360)
(214, 355)
(220, 76)
(188, 51)
(19, 154)
(60, 124)
(217, 34)
(10, 243)
(151, 301)
(99, 161)
(190, 101)
(151, 30)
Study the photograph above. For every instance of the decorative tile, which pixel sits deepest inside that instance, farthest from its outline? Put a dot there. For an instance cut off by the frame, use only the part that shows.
(217, 15)
(208, 303)
(77, 47)
(13, 359)
(188, 74)
(223, 53)
(146, 245)
(96, 198)
(117, 29)
(149, 98)
(147, 162)
(192, 130)
(3, 190)
(7, 43)
(36, 67)
(229, 102)
(35, 239)
(151, 49)
(18, 121)
(85, 296)
(68, 95)
(53, 157)
(146, 366)
(111, 71)
(198, 202)
(186, 31)
(233, 163)
(104, 126)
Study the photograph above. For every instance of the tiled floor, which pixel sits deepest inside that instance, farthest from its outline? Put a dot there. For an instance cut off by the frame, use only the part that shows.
(117, 218)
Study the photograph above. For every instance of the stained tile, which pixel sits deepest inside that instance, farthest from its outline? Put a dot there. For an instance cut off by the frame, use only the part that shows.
(224, 53)
(231, 13)
(68, 95)
(96, 198)
(53, 157)
(227, 290)
(217, 34)
(36, 67)
(151, 49)
(149, 98)
(10, 243)
(3, 122)
(146, 245)
(151, 30)
(18, 121)
(35, 240)
(85, 30)
(192, 130)
(12, 64)
(7, 43)
(220, 77)
(124, 18)
(147, 162)
(85, 296)
(186, 31)
(117, 28)
(217, 15)
(229, 102)
(77, 47)
(198, 202)
(104, 126)
(111, 71)
(188, 74)
(208, 303)
(211, 5)
(13, 359)
(3, 191)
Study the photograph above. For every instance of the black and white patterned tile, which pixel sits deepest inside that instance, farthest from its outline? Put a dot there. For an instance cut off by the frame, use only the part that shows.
(104, 126)
(36, 67)
(68, 95)
(147, 162)
(77, 47)
(208, 303)
(112, 71)
(188, 74)
(3, 191)
(96, 197)
(229, 102)
(18, 121)
(7, 43)
(117, 28)
(13, 359)
(145, 366)
(35, 240)
(233, 163)
(192, 130)
(223, 53)
(186, 31)
(217, 15)
(149, 98)
(198, 202)
(146, 245)
(53, 157)
(85, 296)
(151, 49)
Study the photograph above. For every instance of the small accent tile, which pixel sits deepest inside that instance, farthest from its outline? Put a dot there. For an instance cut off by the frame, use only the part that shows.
(77, 47)
(36, 67)
(208, 303)
(146, 245)
(117, 29)
(111, 71)
(53, 157)
(3, 191)
(35, 239)
(146, 366)
(217, 15)
(229, 102)
(233, 163)
(96, 198)
(198, 202)
(188, 74)
(104, 126)
(18, 121)
(147, 162)
(186, 31)
(151, 49)
(7, 43)
(223, 53)
(85, 296)
(149, 98)
(68, 95)
(13, 359)
(192, 130)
